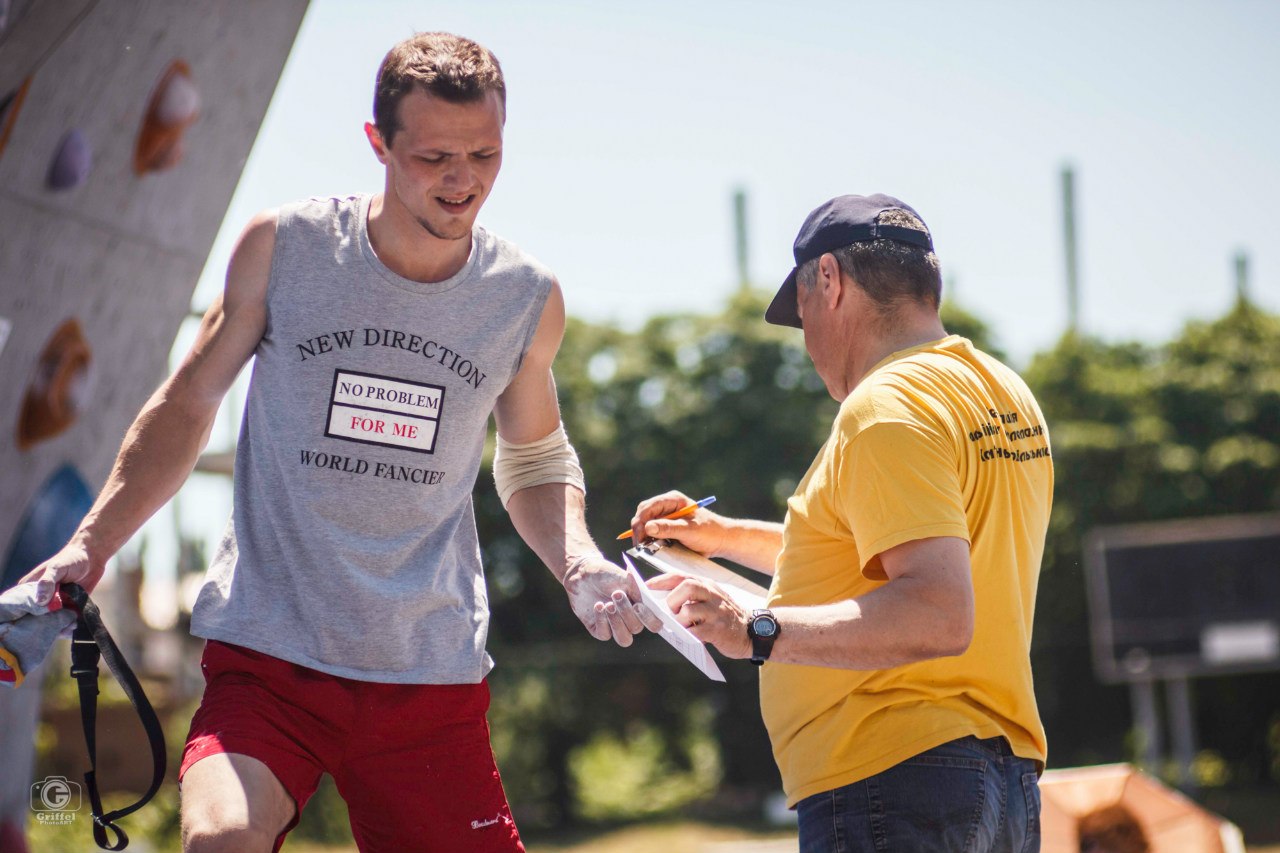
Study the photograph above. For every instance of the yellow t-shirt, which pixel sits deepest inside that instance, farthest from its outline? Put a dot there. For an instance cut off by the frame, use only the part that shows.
(938, 440)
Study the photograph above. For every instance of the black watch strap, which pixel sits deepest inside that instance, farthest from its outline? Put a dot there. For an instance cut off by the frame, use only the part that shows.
(763, 629)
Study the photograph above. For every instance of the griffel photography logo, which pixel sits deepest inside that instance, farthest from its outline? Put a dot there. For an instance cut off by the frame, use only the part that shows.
(55, 799)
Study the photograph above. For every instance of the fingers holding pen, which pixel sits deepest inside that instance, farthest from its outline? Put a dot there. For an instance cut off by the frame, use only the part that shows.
(702, 531)
(655, 508)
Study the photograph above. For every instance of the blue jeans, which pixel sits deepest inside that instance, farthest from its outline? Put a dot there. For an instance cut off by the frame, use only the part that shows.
(966, 795)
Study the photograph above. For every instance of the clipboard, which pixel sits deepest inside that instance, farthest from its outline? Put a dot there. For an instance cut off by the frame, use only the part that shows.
(672, 631)
(666, 556)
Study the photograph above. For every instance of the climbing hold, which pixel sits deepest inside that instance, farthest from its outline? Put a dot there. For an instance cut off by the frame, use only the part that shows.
(72, 163)
(9, 106)
(52, 518)
(60, 387)
(174, 105)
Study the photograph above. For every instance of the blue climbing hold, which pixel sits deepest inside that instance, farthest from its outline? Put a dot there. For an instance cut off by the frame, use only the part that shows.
(52, 518)
(71, 165)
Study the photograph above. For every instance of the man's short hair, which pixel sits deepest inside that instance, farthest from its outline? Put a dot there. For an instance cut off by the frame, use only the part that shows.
(889, 271)
(452, 68)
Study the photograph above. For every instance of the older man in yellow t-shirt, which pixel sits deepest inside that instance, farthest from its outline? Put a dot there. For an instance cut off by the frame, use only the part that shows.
(898, 693)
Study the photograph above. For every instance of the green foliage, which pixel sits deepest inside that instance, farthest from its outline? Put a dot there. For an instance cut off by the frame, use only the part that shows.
(1142, 433)
(154, 827)
(958, 321)
(724, 405)
(731, 406)
(324, 820)
(631, 777)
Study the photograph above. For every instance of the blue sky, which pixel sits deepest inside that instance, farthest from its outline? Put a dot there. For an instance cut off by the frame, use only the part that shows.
(630, 125)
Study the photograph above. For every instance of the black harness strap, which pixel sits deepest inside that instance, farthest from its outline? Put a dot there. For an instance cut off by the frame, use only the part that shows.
(89, 643)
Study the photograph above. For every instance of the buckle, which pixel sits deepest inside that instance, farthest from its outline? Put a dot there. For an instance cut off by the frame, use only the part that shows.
(84, 661)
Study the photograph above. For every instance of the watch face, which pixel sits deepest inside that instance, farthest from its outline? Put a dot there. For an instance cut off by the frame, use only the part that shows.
(764, 626)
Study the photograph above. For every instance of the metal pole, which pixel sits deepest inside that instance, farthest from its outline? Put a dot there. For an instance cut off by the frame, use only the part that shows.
(1142, 694)
(1182, 730)
(1242, 277)
(1069, 247)
(740, 236)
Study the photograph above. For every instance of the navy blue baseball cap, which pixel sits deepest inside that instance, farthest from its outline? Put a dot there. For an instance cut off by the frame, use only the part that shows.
(844, 220)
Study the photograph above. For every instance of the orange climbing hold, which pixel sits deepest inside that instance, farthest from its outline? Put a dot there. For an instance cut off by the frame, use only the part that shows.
(59, 388)
(9, 106)
(174, 105)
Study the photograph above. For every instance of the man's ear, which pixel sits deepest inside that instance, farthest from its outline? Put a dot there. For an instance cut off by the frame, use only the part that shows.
(376, 142)
(830, 281)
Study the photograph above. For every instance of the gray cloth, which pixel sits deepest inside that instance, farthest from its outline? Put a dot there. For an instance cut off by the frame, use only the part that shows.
(352, 545)
(27, 630)
(19, 713)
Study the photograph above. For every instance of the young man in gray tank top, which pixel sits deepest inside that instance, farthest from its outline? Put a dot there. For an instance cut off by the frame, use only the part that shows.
(345, 608)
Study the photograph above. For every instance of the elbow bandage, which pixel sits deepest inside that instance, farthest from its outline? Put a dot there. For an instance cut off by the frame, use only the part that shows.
(547, 460)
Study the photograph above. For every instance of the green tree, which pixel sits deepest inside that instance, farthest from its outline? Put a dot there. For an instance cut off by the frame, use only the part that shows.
(728, 405)
(722, 404)
(1140, 433)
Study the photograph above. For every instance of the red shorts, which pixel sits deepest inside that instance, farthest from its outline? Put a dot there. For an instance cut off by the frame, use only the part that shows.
(412, 761)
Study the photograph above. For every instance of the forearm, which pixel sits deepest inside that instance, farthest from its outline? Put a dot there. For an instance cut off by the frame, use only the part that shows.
(158, 453)
(754, 544)
(551, 519)
(901, 622)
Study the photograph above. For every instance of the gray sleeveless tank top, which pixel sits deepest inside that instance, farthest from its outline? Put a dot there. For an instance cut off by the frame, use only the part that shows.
(352, 545)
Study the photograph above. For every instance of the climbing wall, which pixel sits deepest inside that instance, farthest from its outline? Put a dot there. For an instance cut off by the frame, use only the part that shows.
(124, 127)
(115, 251)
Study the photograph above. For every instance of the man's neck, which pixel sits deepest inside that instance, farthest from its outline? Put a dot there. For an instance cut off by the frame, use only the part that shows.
(408, 250)
(910, 332)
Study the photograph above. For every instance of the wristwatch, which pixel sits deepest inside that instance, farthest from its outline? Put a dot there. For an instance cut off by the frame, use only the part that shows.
(763, 629)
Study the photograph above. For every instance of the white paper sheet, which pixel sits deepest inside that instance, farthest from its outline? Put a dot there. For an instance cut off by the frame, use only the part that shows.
(672, 631)
(671, 557)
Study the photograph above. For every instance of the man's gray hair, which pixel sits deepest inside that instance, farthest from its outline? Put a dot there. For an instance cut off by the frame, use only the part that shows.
(889, 271)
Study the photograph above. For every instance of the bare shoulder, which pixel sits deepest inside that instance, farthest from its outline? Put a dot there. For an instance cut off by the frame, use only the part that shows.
(263, 224)
(250, 268)
(257, 241)
(236, 319)
(527, 409)
(553, 309)
(550, 331)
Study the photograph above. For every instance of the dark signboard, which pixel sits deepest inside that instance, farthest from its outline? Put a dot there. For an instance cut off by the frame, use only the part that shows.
(1178, 598)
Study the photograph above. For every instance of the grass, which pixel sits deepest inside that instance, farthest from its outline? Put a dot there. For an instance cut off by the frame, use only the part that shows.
(680, 837)
(684, 837)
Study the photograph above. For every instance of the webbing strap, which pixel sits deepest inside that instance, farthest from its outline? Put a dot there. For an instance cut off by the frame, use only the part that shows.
(90, 643)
